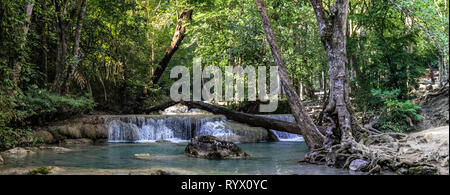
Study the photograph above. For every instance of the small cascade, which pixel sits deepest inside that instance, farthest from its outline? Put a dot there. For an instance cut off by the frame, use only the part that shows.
(215, 128)
(284, 136)
(147, 129)
(181, 128)
(157, 127)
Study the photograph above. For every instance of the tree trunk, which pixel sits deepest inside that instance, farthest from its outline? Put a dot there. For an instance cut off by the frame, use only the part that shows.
(180, 33)
(18, 65)
(76, 45)
(313, 137)
(62, 45)
(332, 30)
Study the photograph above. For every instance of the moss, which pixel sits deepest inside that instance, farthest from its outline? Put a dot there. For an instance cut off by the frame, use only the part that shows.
(422, 170)
(41, 171)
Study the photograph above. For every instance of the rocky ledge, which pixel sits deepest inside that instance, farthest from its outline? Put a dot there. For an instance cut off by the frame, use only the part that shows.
(210, 147)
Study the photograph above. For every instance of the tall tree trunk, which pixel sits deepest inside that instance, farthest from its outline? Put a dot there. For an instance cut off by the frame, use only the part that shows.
(62, 45)
(18, 65)
(332, 30)
(76, 45)
(44, 43)
(313, 137)
(180, 33)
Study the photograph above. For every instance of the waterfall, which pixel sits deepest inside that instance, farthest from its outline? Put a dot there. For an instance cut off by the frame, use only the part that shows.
(181, 128)
(214, 128)
(146, 129)
(172, 128)
(284, 136)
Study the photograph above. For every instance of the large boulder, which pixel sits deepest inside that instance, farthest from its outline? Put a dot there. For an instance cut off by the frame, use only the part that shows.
(210, 147)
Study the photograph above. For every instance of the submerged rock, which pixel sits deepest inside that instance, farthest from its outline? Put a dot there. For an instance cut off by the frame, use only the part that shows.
(156, 157)
(358, 165)
(210, 147)
(145, 156)
(18, 152)
(78, 141)
(163, 141)
(55, 149)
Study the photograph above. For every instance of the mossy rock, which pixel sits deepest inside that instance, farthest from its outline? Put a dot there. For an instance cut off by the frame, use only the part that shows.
(41, 171)
(44, 136)
(419, 170)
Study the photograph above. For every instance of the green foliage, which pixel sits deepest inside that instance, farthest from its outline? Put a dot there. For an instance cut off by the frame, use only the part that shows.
(35, 107)
(122, 42)
(41, 171)
(10, 138)
(394, 114)
(39, 105)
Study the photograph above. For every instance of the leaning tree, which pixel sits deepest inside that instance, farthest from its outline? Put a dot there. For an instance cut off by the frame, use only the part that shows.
(336, 146)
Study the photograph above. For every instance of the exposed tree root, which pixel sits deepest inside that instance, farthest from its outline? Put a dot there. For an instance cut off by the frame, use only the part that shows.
(380, 151)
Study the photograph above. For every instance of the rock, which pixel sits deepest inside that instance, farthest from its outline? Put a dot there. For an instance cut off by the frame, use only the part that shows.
(143, 156)
(50, 170)
(422, 170)
(163, 141)
(376, 169)
(358, 165)
(19, 152)
(445, 162)
(78, 141)
(44, 136)
(162, 172)
(402, 171)
(210, 147)
(55, 149)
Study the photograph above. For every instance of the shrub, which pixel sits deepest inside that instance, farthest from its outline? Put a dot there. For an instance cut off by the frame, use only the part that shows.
(395, 114)
(38, 105)
(41, 171)
(35, 107)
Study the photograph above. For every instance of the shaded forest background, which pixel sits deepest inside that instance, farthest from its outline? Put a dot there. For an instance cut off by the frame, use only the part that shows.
(61, 58)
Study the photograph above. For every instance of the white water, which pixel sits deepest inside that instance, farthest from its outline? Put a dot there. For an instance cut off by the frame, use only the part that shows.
(214, 128)
(172, 128)
(283, 136)
(179, 128)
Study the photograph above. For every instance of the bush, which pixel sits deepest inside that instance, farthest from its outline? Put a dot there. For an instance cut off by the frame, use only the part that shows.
(10, 138)
(40, 106)
(395, 114)
(41, 171)
(35, 107)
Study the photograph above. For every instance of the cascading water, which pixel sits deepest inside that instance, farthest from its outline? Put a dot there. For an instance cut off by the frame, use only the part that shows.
(214, 128)
(172, 128)
(179, 128)
(146, 129)
(284, 136)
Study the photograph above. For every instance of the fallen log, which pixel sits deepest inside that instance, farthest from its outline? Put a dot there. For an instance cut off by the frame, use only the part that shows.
(158, 107)
(249, 119)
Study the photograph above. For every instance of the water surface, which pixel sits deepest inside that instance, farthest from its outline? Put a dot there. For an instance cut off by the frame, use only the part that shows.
(267, 158)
